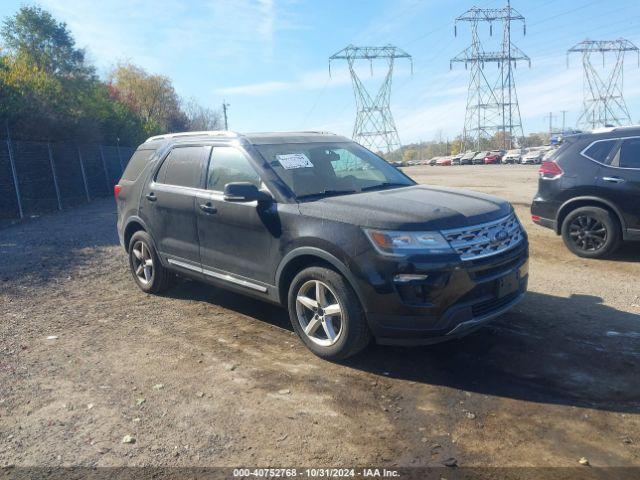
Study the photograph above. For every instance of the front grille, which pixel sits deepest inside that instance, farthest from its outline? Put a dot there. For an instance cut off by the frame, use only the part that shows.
(498, 264)
(486, 239)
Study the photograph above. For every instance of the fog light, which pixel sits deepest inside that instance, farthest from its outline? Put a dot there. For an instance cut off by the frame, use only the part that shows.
(409, 277)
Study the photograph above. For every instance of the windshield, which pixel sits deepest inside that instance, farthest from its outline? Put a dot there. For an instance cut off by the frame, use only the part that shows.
(325, 169)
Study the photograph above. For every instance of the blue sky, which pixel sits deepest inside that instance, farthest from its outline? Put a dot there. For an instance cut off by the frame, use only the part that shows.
(268, 58)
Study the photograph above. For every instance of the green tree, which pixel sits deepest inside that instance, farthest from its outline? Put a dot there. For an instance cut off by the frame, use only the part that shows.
(49, 92)
(35, 33)
(32, 99)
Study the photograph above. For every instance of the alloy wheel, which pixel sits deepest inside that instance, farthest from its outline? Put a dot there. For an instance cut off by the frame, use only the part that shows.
(319, 313)
(588, 233)
(142, 262)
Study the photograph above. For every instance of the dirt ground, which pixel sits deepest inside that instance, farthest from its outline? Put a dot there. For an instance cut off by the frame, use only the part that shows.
(208, 378)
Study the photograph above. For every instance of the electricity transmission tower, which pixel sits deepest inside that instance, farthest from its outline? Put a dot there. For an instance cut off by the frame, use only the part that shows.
(603, 103)
(374, 127)
(492, 104)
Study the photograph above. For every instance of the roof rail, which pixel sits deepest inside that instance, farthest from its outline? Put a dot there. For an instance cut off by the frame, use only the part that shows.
(614, 129)
(212, 133)
(319, 132)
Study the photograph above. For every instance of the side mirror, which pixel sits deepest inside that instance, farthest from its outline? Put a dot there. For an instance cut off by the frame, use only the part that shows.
(245, 192)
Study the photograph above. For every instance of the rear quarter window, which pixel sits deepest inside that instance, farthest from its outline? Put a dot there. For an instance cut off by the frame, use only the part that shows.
(137, 162)
(600, 151)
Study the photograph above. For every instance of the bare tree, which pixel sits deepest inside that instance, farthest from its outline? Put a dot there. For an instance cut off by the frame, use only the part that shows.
(200, 117)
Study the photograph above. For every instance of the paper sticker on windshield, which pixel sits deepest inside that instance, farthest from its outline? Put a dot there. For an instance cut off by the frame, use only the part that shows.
(290, 161)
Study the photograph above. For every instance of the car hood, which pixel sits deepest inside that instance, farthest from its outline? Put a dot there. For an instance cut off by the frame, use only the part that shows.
(418, 207)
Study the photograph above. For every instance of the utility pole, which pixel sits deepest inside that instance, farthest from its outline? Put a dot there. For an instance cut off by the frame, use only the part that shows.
(550, 116)
(603, 103)
(374, 126)
(492, 106)
(224, 112)
(564, 116)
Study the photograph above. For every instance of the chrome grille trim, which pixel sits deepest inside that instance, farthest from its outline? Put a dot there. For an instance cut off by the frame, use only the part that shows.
(479, 241)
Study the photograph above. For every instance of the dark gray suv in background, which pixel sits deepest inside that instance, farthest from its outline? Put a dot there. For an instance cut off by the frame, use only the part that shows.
(350, 245)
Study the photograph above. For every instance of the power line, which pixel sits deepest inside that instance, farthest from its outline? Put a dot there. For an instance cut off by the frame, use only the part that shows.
(315, 103)
(588, 4)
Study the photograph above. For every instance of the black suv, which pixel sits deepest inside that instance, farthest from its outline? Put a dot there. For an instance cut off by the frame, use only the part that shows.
(589, 191)
(350, 245)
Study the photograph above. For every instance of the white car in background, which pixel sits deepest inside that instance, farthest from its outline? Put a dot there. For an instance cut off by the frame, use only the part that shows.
(532, 157)
(513, 156)
(548, 154)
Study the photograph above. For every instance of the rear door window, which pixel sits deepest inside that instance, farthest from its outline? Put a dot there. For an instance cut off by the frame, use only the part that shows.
(629, 155)
(600, 151)
(183, 167)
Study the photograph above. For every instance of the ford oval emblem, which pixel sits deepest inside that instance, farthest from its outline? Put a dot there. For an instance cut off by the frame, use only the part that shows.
(499, 236)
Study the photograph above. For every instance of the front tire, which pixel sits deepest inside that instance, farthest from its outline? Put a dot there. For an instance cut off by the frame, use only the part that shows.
(145, 266)
(326, 314)
(591, 232)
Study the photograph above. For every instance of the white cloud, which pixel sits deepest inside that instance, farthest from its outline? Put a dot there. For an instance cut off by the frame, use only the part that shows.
(315, 80)
(155, 35)
(308, 81)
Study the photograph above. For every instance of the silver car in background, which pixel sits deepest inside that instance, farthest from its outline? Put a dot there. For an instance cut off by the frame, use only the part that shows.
(532, 157)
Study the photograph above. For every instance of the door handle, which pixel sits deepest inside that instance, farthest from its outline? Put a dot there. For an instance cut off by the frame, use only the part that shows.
(613, 179)
(208, 208)
(151, 197)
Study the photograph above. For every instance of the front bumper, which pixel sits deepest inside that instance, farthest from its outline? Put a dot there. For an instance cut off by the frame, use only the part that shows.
(455, 299)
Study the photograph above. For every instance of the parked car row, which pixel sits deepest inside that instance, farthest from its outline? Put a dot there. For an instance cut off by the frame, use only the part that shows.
(534, 155)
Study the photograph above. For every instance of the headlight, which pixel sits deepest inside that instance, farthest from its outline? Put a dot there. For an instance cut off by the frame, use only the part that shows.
(396, 243)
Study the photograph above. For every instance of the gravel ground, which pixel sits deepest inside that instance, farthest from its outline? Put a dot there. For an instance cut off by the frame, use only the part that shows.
(204, 377)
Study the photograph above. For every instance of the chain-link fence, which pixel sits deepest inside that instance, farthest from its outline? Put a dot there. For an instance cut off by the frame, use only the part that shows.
(40, 177)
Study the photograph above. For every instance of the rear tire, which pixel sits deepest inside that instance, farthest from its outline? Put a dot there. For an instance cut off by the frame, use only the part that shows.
(326, 314)
(591, 232)
(145, 266)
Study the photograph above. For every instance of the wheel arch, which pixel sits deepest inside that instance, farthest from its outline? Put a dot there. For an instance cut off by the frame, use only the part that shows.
(135, 224)
(304, 257)
(578, 202)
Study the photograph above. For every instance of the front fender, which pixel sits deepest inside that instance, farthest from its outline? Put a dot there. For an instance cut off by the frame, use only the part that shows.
(323, 254)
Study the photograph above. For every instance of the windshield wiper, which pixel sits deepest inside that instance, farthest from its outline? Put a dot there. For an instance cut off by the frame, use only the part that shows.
(325, 193)
(384, 185)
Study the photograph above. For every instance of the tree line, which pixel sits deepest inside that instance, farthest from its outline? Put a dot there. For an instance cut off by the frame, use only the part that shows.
(49, 90)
